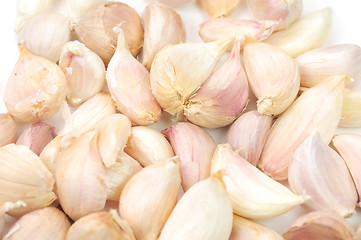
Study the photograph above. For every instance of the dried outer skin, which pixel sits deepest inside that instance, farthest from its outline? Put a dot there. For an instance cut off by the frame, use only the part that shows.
(8, 129)
(351, 109)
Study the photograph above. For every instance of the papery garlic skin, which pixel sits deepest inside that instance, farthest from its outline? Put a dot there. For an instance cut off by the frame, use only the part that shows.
(8, 129)
(50, 152)
(351, 109)
(77, 8)
(304, 35)
(84, 71)
(219, 8)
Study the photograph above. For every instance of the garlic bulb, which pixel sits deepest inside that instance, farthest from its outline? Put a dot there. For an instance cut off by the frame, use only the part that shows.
(77, 8)
(50, 152)
(84, 71)
(351, 110)
(219, 8)
(8, 129)
(175, 2)
(39, 86)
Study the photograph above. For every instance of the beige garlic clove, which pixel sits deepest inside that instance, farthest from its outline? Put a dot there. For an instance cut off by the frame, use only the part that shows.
(219, 8)
(223, 97)
(252, 193)
(7, 221)
(247, 135)
(149, 197)
(195, 148)
(319, 108)
(50, 152)
(277, 91)
(77, 8)
(128, 83)
(148, 146)
(176, 2)
(41, 224)
(8, 129)
(304, 35)
(162, 27)
(351, 109)
(357, 235)
(319, 226)
(39, 86)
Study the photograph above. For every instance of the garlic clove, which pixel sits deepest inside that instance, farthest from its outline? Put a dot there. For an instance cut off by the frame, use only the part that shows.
(219, 8)
(304, 35)
(351, 110)
(148, 146)
(77, 8)
(8, 129)
(195, 148)
(252, 193)
(301, 119)
(7, 221)
(176, 2)
(149, 197)
(128, 83)
(50, 152)
(357, 235)
(223, 97)
(39, 86)
(247, 135)
(162, 27)
(277, 91)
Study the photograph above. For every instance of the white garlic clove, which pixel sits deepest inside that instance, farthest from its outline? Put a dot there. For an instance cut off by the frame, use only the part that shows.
(219, 8)
(7, 221)
(247, 135)
(50, 152)
(8, 129)
(84, 70)
(351, 109)
(78, 8)
(357, 235)
(176, 2)
(195, 148)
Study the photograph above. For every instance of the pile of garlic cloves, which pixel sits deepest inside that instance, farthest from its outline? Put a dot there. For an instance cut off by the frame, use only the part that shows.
(112, 121)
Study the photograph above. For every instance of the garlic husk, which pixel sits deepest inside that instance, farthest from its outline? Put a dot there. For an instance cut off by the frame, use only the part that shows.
(84, 71)
(100, 225)
(276, 91)
(178, 71)
(24, 178)
(319, 108)
(223, 97)
(148, 146)
(321, 226)
(176, 2)
(247, 135)
(149, 197)
(357, 235)
(306, 34)
(252, 193)
(219, 8)
(8, 129)
(351, 109)
(50, 152)
(39, 86)
(95, 29)
(194, 147)
(128, 83)
(85, 193)
(217, 29)
(162, 27)
(41, 224)
(77, 8)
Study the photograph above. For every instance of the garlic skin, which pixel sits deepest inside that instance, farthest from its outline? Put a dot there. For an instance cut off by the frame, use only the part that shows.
(52, 222)
(50, 152)
(84, 71)
(176, 2)
(8, 129)
(128, 83)
(77, 8)
(148, 146)
(247, 135)
(162, 27)
(277, 91)
(39, 86)
(223, 97)
(304, 35)
(219, 8)
(319, 108)
(351, 110)
(194, 147)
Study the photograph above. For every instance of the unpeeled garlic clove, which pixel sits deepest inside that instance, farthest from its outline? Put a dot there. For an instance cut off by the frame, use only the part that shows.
(175, 2)
(84, 70)
(219, 8)
(319, 226)
(128, 83)
(351, 110)
(247, 135)
(7, 221)
(35, 89)
(223, 97)
(252, 193)
(162, 27)
(357, 235)
(50, 152)
(319, 108)
(276, 91)
(148, 146)
(77, 8)
(195, 148)
(8, 129)
(304, 35)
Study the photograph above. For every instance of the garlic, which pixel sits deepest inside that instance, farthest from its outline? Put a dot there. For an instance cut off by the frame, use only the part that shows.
(319, 108)
(41, 224)
(84, 70)
(223, 97)
(162, 27)
(7, 221)
(351, 110)
(149, 197)
(252, 193)
(304, 35)
(275, 91)
(219, 8)
(148, 146)
(176, 2)
(77, 8)
(321, 226)
(95, 29)
(195, 148)
(128, 83)
(50, 152)
(81, 194)
(8, 129)
(285, 12)
(100, 225)
(24, 178)
(247, 135)
(357, 235)
(35, 89)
